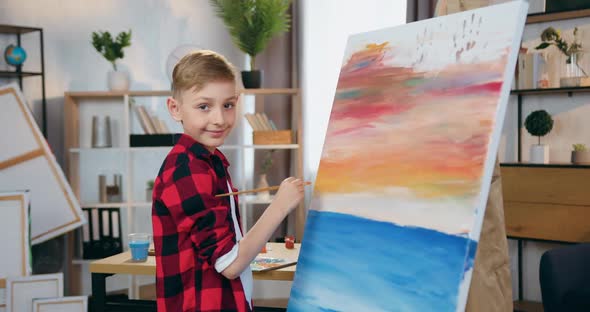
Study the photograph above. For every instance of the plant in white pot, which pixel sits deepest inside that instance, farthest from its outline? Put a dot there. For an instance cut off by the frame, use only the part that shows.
(112, 50)
(580, 155)
(252, 24)
(539, 123)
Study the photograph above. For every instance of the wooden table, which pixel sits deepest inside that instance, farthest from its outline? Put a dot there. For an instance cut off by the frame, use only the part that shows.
(122, 264)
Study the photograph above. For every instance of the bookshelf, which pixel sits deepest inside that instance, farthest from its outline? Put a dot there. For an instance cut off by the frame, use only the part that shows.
(137, 164)
(543, 202)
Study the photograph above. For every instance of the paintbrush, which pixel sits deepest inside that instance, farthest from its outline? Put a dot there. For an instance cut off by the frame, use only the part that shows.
(262, 189)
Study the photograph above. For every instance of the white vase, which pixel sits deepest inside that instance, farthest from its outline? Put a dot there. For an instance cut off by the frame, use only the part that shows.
(539, 154)
(262, 182)
(118, 81)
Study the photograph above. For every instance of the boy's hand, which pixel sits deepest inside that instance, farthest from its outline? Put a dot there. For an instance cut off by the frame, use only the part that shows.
(290, 194)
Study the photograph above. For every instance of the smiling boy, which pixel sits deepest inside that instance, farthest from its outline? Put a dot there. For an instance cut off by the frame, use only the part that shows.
(202, 255)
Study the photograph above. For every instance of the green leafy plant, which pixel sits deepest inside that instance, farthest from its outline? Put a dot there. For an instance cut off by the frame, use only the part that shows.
(579, 147)
(550, 36)
(539, 123)
(267, 162)
(150, 184)
(252, 23)
(111, 49)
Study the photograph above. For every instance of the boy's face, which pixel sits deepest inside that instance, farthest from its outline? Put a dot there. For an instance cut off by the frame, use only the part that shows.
(207, 115)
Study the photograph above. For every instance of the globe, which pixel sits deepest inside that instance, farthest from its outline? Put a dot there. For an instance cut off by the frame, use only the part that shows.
(15, 55)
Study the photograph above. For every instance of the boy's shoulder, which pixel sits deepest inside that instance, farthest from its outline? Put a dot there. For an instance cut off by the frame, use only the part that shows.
(180, 158)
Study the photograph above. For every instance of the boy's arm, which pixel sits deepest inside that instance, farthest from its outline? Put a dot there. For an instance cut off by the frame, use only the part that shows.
(195, 209)
(197, 212)
(287, 198)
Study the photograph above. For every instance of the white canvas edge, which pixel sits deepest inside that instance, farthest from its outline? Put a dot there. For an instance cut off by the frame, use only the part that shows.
(32, 279)
(60, 229)
(26, 246)
(56, 301)
(494, 142)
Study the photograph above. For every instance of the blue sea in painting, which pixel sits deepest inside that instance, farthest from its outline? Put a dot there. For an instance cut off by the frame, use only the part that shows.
(348, 263)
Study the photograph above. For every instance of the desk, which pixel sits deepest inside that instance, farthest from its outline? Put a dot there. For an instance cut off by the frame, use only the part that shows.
(122, 264)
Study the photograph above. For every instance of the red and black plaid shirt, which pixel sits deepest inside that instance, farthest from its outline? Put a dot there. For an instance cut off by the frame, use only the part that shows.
(192, 229)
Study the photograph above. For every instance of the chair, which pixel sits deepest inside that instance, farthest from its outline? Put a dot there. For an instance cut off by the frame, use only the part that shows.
(564, 274)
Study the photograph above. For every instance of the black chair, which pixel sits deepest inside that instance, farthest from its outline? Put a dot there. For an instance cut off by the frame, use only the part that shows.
(565, 279)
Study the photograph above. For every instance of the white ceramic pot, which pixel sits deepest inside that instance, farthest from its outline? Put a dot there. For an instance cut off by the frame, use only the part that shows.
(539, 154)
(118, 81)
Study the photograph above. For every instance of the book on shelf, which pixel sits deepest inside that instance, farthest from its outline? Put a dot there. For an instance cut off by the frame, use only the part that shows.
(150, 123)
(101, 235)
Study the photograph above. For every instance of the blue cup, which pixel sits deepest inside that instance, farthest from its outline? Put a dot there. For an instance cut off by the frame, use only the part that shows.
(139, 244)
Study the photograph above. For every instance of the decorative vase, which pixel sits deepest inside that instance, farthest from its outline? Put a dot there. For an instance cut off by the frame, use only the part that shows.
(539, 154)
(572, 73)
(581, 157)
(252, 79)
(118, 81)
(263, 182)
(101, 132)
(148, 194)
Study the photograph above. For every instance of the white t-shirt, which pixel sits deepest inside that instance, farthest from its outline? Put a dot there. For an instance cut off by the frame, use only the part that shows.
(224, 261)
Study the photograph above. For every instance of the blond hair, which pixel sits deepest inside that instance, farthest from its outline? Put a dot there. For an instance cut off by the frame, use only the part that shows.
(198, 68)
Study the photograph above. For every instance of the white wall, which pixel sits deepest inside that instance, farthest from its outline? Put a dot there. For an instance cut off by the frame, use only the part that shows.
(325, 26)
(72, 63)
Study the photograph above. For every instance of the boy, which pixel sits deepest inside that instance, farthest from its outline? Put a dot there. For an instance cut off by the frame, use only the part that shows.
(202, 257)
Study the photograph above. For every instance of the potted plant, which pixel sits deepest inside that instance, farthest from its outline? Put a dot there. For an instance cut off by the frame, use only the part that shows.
(539, 123)
(149, 190)
(112, 50)
(262, 180)
(572, 51)
(252, 24)
(580, 154)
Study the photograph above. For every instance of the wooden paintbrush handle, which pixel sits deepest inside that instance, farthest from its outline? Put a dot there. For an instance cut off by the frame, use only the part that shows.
(262, 189)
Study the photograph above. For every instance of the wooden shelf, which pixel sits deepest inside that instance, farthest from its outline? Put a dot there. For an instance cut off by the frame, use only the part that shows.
(11, 29)
(550, 165)
(166, 148)
(91, 94)
(551, 90)
(15, 74)
(288, 91)
(96, 149)
(550, 17)
(252, 199)
(528, 306)
(104, 205)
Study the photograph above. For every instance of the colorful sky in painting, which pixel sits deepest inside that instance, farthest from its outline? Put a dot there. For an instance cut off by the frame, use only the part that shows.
(411, 123)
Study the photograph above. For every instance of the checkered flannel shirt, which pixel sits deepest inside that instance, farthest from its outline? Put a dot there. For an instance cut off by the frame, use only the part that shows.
(192, 229)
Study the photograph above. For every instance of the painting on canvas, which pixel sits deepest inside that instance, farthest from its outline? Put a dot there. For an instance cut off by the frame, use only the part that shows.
(406, 164)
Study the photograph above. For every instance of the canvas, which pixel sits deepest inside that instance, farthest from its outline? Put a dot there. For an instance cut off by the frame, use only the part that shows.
(20, 291)
(63, 304)
(27, 163)
(406, 165)
(14, 222)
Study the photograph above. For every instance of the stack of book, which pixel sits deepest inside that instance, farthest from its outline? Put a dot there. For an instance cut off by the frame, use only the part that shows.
(149, 122)
(260, 122)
